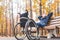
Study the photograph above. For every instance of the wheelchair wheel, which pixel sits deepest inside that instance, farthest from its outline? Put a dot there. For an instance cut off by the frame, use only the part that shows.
(30, 32)
(19, 32)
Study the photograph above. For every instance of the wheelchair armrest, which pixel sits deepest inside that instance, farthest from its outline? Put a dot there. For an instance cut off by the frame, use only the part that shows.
(24, 18)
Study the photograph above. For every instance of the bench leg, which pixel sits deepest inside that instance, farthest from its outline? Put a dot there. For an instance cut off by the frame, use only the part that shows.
(50, 32)
(41, 31)
(55, 32)
(49, 35)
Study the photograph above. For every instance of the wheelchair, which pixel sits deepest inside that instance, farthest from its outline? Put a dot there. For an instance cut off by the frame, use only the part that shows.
(27, 25)
(24, 29)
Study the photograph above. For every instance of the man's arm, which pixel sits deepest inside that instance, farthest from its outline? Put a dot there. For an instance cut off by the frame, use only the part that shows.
(39, 17)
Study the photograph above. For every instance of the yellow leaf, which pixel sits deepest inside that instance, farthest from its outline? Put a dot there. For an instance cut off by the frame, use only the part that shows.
(43, 2)
(34, 6)
(1, 0)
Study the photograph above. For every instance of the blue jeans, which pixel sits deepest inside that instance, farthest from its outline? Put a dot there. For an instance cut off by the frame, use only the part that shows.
(41, 24)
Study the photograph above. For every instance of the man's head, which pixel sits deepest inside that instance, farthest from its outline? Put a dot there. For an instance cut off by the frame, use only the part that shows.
(26, 11)
(43, 15)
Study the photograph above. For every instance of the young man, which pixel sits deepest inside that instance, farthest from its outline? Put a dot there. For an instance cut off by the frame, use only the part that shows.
(44, 19)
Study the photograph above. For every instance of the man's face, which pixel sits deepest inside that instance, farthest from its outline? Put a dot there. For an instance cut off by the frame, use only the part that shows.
(25, 11)
(43, 15)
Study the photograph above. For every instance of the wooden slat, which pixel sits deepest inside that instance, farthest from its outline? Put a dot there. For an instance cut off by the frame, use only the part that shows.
(55, 20)
(57, 17)
(58, 22)
(54, 23)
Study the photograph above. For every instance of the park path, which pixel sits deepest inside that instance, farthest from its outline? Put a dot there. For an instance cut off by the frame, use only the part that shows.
(12, 38)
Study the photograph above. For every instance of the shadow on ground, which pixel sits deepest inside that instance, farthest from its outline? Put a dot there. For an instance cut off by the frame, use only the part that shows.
(42, 38)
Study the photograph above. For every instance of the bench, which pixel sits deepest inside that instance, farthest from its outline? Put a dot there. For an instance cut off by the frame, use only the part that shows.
(54, 25)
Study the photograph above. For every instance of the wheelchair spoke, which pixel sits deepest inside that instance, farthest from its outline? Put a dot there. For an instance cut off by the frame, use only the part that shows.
(32, 32)
(19, 33)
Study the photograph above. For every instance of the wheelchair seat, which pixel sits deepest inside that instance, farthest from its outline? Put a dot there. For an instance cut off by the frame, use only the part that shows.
(23, 21)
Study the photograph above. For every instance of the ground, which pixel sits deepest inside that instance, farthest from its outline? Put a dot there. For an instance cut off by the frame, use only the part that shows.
(12, 38)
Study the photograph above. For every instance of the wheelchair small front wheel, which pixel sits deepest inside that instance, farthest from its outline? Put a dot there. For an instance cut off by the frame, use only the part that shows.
(19, 32)
(31, 33)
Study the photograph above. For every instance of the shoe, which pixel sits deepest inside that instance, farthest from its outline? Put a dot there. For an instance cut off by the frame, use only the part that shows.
(49, 35)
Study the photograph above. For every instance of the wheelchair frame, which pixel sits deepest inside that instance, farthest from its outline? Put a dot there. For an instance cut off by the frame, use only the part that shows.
(28, 33)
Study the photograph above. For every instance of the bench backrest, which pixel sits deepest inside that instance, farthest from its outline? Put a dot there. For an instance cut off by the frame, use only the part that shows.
(55, 21)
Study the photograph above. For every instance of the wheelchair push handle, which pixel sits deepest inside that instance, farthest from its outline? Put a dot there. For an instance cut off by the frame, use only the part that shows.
(24, 18)
(19, 13)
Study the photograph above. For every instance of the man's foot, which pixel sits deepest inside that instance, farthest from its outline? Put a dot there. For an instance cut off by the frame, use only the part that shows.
(49, 35)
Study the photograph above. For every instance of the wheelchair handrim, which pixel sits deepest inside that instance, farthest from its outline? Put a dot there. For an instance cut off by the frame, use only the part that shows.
(30, 37)
(21, 38)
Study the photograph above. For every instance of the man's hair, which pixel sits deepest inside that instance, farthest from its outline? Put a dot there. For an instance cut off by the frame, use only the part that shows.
(26, 11)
